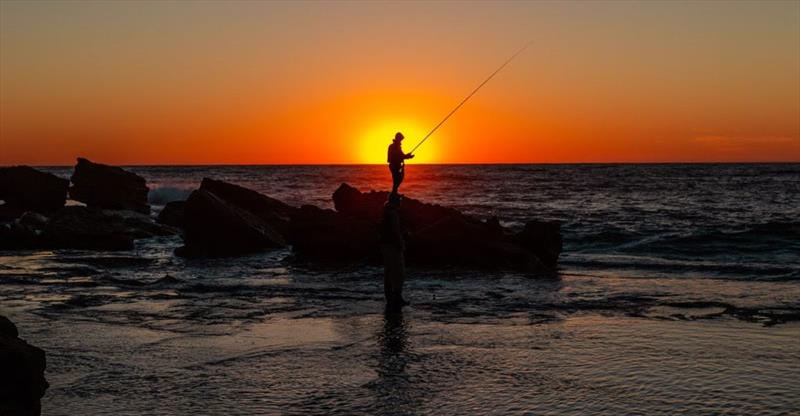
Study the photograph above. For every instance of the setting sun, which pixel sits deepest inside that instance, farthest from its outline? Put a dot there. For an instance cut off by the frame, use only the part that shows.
(375, 141)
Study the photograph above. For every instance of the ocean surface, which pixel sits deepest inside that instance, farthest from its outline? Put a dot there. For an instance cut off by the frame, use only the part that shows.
(678, 293)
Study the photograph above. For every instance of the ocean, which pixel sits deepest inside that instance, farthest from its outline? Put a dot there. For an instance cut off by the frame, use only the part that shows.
(678, 292)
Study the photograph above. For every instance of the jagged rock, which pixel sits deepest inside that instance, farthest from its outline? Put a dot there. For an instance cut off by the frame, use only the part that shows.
(324, 234)
(22, 382)
(77, 227)
(369, 205)
(444, 236)
(24, 188)
(274, 212)
(214, 227)
(172, 214)
(225, 219)
(109, 187)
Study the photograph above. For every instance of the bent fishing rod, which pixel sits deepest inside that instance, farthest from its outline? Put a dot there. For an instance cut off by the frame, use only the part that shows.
(471, 94)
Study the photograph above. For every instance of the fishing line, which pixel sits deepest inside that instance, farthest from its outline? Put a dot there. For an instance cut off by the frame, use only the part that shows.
(471, 94)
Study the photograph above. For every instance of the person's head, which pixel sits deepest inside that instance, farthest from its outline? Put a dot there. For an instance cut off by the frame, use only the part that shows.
(398, 137)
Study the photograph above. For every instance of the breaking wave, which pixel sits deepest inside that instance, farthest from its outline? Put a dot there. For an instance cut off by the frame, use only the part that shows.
(165, 194)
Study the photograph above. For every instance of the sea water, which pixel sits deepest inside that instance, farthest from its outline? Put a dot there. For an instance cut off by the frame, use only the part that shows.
(678, 292)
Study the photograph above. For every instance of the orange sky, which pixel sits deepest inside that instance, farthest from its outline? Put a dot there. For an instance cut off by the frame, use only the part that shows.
(267, 82)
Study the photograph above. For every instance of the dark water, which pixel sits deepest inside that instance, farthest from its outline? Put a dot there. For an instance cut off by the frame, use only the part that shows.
(679, 292)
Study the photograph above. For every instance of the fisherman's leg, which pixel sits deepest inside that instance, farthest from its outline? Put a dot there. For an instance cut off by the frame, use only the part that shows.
(396, 179)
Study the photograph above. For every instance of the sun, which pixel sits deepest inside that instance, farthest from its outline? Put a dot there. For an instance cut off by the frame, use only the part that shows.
(376, 139)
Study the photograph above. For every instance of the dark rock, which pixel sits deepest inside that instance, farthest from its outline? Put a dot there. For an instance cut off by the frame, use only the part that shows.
(369, 205)
(84, 228)
(324, 234)
(26, 189)
(22, 382)
(33, 220)
(214, 227)
(543, 239)
(15, 236)
(454, 241)
(109, 187)
(172, 214)
(444, 236)
(274, 212)
(7, 328)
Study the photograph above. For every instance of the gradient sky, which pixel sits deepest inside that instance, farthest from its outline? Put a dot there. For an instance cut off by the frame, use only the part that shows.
(324, 82)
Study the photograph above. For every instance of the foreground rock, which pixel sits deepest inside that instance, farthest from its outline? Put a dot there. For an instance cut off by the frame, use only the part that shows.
(214, 227)
(83, 228)
(26, 189)
(108, 187)
(22, 382)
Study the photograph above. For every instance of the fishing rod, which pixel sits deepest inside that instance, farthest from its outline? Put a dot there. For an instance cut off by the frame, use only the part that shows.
(471, 94)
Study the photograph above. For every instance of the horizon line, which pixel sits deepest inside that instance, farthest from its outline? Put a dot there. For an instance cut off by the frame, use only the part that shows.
(418, 164)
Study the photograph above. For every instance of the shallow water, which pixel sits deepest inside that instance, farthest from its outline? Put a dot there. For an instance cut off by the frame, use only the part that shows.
(679, 292)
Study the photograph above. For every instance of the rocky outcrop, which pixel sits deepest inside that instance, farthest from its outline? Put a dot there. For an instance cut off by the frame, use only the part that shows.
(24, 188)
(22, 382)
(108, 187)
(440, 235)
(91, 229)
(274, 212)
(77, 227)
(327, 235)
(172, 214)
(214, 227)
(226, 219)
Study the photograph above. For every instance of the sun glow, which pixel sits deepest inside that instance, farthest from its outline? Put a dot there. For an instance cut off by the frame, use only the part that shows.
(376, 139)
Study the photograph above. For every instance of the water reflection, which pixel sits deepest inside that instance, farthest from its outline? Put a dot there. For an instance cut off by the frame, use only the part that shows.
(393, 389)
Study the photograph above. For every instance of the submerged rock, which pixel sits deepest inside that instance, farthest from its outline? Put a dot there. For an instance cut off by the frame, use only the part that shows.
(91, 229)
(77, 227)
(213, 227)
(108, 187)
(22, 382)
(24, 188)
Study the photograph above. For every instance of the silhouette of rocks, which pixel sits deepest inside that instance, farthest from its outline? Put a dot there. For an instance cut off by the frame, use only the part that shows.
(369, 205)
(274, 212)
(22, 382)
(24, 188)
(222, 219)
(172, 214)
(84, 228)
(77, 227)
(439, 235)
(214, 227)
(327, 235)
(109, 187)
(542, 239)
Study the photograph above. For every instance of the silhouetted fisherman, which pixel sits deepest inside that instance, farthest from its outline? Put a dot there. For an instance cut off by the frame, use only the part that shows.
(392, 247)
(397, 161)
